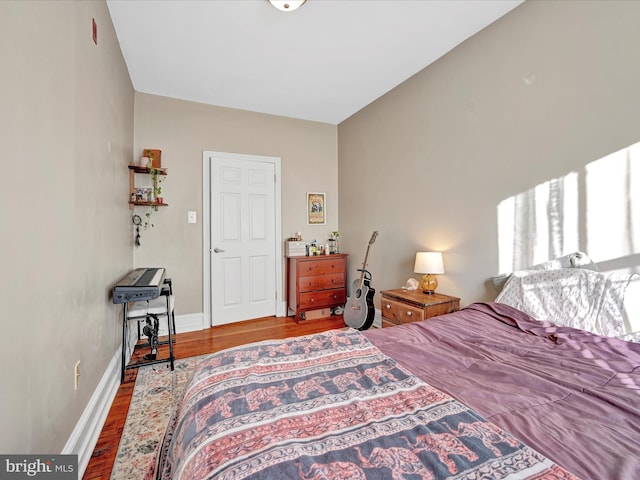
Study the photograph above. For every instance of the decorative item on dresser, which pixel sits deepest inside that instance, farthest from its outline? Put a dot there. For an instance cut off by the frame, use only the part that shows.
(316, 282)
(404, 306)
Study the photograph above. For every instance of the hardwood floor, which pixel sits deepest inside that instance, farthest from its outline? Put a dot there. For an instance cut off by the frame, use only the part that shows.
(188, 345)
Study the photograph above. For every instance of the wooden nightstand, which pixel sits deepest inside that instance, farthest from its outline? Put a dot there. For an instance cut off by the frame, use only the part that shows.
(404, 306)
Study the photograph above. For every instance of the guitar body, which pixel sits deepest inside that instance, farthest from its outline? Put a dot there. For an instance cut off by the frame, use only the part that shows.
(359, 311)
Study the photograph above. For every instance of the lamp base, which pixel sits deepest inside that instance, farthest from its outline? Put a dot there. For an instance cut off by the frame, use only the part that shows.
(429, 283)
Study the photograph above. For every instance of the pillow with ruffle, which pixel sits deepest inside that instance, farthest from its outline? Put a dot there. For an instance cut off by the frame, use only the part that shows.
(606, 304)
(573, 260)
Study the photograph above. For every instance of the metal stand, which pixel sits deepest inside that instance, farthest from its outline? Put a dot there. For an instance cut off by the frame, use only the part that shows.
(152, 333)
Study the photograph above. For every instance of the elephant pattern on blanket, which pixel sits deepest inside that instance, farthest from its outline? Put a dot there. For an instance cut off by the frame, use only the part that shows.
(328, 406)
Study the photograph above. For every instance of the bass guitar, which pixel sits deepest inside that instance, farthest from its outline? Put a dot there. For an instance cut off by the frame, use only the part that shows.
(359, 311)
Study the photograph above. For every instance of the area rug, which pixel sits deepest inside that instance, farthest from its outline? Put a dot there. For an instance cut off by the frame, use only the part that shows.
(156, 392)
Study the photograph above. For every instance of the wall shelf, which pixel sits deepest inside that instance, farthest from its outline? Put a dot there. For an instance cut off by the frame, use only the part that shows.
(133, 169)
(148, 204)
(137, 169)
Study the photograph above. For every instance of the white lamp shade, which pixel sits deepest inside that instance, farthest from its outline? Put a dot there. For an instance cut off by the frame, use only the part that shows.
(429, 262)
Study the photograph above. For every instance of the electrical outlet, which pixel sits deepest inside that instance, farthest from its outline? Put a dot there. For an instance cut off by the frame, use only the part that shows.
(76, 375)
(191, 217)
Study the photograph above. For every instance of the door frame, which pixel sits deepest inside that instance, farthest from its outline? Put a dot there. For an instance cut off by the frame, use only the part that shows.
(206, 230)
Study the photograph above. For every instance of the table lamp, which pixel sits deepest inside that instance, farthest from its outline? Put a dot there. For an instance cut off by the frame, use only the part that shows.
(429, 263)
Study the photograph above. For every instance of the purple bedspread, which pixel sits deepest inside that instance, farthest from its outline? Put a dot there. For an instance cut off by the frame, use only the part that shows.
(571, 395)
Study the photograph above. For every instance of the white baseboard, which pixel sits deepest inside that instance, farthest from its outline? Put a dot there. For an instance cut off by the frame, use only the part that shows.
(190, 322)
(85, 435)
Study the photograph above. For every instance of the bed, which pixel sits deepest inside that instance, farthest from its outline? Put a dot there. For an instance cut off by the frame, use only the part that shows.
(488, 392)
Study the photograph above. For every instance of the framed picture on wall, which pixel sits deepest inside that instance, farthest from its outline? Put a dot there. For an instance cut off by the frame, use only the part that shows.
(316, 209)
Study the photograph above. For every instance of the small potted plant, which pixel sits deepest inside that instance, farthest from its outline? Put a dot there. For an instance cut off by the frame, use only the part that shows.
(334, 244)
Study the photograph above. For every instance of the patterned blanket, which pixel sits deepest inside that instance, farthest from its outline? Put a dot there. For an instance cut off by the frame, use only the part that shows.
(331, 406)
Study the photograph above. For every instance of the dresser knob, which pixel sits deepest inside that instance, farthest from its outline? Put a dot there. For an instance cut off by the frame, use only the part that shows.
(409, 314)
(387, 306)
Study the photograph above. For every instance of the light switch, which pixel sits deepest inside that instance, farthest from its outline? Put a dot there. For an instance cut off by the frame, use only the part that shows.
(191, 217)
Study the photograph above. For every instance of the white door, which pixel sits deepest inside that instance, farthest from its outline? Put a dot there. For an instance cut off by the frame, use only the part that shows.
(243, 238)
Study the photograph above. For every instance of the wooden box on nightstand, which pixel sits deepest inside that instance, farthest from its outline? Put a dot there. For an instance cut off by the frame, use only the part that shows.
(404, 306)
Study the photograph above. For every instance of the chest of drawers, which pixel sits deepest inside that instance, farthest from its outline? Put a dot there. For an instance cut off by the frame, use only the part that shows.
(404, 306)
(316, 282)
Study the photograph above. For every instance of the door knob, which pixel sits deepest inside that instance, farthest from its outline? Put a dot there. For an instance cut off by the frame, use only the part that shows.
(218, 250)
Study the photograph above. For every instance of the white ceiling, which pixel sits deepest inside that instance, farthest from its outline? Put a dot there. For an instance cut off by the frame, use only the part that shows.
(323, 62)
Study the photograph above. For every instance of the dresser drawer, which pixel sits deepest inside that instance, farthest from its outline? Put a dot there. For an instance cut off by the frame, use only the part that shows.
(407, 314)
(322, 298)
(321, 282)
(442, 309)
(390, 310)
(323, 266)
(398, 312)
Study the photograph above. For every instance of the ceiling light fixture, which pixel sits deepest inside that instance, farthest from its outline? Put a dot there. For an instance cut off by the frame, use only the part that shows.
(287, 5)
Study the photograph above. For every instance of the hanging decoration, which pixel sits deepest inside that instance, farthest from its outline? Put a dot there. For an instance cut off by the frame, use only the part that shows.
(137, 221)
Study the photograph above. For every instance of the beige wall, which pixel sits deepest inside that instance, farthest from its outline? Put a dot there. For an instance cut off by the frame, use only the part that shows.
(66, 136)
(543, 92)
(183, 130)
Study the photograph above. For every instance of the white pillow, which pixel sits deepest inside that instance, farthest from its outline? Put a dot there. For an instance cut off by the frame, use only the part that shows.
(578, 298)
(631, 312)
(573, 260)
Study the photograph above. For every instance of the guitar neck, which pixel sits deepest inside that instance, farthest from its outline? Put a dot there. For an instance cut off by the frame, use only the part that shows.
(366, 256)
(364, 267)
